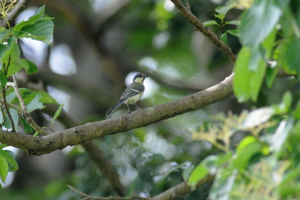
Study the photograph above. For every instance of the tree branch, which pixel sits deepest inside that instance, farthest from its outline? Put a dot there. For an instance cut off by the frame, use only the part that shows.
(182, 189)
(92, 150)
(139, 118)
(107, 198)
(185, 11)
(172, 193)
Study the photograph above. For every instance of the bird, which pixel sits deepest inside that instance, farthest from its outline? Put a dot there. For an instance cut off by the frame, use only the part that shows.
(132, 93)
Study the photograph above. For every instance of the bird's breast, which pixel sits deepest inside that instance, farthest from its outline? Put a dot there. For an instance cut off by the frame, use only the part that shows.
(133, 99)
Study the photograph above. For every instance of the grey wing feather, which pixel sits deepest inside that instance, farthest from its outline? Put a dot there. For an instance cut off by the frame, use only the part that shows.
(132, 90)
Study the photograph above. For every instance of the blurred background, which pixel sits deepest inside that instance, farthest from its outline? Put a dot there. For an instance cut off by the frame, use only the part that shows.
(98, 46)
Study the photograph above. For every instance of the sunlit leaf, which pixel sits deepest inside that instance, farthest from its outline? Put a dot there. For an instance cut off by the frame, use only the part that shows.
(57, 113)
(223, 9)
(233, 22)
(10, 158)
(187, 171)
(242, 158)
(27, 127)
(3, 169)
(223, 38)
(223, 184)
(258, 22)
(210, 22)
(172, 170)
(234, 32)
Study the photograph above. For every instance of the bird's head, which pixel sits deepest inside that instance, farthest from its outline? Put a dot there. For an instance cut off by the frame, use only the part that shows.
(140, 77)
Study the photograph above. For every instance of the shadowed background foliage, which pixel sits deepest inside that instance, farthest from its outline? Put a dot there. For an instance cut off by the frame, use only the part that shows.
(98, 47)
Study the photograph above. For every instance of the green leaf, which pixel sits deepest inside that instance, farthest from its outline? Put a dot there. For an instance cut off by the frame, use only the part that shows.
(172, 170)
(3, 34)
(288, 180)
(210, 22)
(2, 51)
(3, 169)
(27, 127)
(223, 38)
(199, 172)
(15, 117)
(209, 165)
(258, 22)
(246, 83)
(187, 171)
(37, 27)
(3, 79)
(289, 57)
(223, 184)
(30, 67)
(220, 16)
(35, 134)
(245, 142)
(41, 30)
(223, 9)
(285, 104)
(10, 158)
(57, 113)
(242, 158)
(36, 16)
(233, 22)
(234, 32)
(271, 73)
(296, 112)
(35, 104)
(268, 44)
(28, 96)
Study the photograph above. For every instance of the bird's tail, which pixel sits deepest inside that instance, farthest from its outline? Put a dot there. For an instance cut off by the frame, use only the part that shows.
(116, 106)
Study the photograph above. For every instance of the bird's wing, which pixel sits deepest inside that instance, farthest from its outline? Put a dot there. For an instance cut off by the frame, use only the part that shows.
(132, 90)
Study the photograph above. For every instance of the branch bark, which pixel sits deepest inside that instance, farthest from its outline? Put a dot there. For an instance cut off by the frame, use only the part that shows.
(77, 135)
(185, 11)
(143, 117)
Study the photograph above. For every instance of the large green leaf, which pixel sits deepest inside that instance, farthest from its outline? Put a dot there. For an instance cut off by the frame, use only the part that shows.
(37, 27)
(242, 157)
(36, 16)
(3, 34)
(289, 55)
(28, 96)
(209, 165)
(223, 184)
(41, 30)
(258, 22)
(15, 117)
(10, 158)
(247, 83)
(35, 104)
(3, 168)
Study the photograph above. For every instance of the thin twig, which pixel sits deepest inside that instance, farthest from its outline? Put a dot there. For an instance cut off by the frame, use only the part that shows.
(4, 95)
(185, 11)
(24, 111)
(107, 198)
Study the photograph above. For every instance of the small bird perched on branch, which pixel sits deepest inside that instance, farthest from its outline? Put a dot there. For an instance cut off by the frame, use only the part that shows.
(132, 93)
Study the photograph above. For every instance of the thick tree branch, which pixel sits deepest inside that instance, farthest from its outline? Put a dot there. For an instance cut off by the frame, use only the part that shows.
(185, 11)
(143, 117)
(77, 135)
